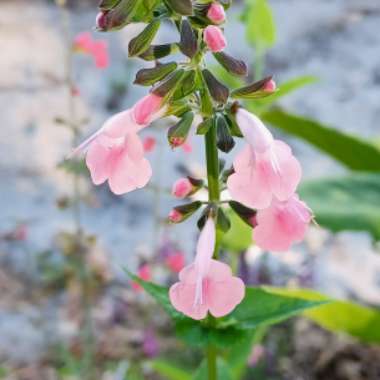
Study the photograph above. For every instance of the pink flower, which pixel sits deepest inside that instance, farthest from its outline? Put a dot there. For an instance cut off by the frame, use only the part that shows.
(100, 54)
(264, 169)
(282, 224)
(149, 144)
(175, 261)
(84, 43)
(187, 147)
(145, 109)
(120, 161)
(206, 285)
(216, 13)
(182, 188)
(145, 274)
(214, 38)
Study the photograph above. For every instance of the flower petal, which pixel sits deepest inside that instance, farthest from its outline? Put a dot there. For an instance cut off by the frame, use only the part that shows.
(285, 181)
(97, 161)
(182, 298)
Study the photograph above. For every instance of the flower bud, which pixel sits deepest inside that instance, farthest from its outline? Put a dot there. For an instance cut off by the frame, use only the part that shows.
(245, 213)
(182, 188)
(231, 64)
(270, 86)
(175, 216)
(182, 212)
(216, 13)
(257, 90)
(178, 133)
(145, 108)
(214, 38)
(101, 20)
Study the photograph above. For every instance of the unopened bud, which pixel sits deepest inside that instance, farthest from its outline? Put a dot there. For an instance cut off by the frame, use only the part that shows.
(184, 187)
(178, 133)
(270, 86)
(214, 38)
(175, 216)
(181, 213)
(216, 13)
(101, 20)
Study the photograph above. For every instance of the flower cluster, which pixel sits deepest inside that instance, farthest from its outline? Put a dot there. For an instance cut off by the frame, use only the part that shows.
(265, 174)
(265, 178)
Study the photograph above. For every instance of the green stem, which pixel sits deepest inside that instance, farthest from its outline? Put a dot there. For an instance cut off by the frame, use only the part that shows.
(212, 161)
(211, 363)
(212, 165)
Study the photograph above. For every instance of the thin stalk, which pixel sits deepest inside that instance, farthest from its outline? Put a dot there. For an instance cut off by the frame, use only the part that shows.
(211, 363)
(212, 161)
(84, 276)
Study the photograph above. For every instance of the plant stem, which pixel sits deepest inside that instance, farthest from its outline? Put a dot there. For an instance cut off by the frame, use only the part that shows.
(211, 363)
(212, 161)
(212, 165)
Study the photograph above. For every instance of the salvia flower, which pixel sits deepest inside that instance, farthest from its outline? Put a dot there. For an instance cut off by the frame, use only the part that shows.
(145, 273)
(206, 285)
(175, 261)
(216, 13)
(282, 224)
(120, 161)
(214, 38)
(98, 49)
(265, 168)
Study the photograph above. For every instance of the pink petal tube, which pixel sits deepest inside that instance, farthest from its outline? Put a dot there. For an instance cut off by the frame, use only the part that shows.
(214, 38)
(182, 188)
(145, 108)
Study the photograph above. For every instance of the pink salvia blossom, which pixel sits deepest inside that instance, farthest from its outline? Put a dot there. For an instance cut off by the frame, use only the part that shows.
(214, 38)
(206, 285)
(98, 49)
(216, 13)
(145, 109)
(264, 169)
(182, 188)
(149, 143)
(120, 161)
(145, 273)
(175, 261)
(282, 224)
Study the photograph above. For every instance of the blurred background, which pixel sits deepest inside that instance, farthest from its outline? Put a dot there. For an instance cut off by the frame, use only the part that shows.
(67, 308)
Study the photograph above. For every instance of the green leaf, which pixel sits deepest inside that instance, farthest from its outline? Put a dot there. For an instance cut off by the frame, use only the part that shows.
(148, 77)
(141, 43)
(261, 307)
(352, 151)
(347, 317)
(160, 294)
(260, 25)
(239, 236)
(223, 371)
(200, 334)
(347, 203)
(237, 357)
(169, 370)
